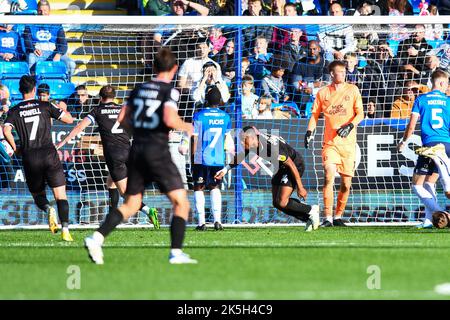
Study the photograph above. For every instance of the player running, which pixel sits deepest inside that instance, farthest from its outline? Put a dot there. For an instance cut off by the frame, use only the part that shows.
(32, 121)
(116, 147)
(341, 104)
(211, 127)
(433, 109)
(285, 180)
(151, 112)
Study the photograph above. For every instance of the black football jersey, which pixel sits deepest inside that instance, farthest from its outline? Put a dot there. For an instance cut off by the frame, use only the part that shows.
(147, 103)
(111, 132)
(32, 121)
(272, 148)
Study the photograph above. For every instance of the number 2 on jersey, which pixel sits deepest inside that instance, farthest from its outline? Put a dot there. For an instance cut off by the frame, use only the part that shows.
(115, 129)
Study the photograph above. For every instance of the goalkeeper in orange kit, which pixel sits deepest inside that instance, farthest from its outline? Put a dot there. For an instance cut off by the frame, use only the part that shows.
(341, 105)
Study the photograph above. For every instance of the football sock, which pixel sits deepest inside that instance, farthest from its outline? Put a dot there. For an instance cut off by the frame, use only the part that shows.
(177, 230)
(144, 208)
(98, 237)
(216, 204)
(41, 202)
(199, 197)
(63, 212)
(341, 202)
(114, 196)
(328, 199)
(431, 188)
(443, 165)
(297, 209)
(330, 219)
(112, 220)
(426, 198)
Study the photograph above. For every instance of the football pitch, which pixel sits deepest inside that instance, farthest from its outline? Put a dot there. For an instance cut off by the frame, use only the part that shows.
(238, 263)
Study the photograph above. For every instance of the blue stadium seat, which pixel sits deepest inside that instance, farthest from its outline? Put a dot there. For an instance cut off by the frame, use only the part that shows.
(394, 46)
(13, 70)
(59, 89)
(13, 86)
(435, 43)
(51, 70)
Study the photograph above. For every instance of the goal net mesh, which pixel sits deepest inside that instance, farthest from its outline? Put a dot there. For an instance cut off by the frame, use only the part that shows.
(391, 65)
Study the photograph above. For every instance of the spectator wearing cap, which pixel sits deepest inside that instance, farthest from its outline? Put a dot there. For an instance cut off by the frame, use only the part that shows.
(46, 42)
(10, 44)
(210, 78)
(43, 93)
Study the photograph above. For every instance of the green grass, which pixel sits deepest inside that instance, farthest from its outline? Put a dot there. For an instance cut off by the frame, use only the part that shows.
(263, 263)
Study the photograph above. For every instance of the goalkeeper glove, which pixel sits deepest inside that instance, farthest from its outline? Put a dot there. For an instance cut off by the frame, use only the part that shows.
(344, 131)
(308, 137)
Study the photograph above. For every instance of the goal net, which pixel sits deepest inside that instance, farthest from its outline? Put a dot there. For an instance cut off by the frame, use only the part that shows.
(271, 74)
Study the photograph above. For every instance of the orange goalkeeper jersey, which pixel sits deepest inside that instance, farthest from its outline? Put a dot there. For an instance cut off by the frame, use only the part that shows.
(339, 108)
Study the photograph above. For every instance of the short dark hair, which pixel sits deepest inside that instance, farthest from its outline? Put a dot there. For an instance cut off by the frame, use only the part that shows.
(213, 96)
(43, 88)
(290, 4)
(107, 92)
(336, 63)
(164, 60)
(27, 84)
(81, 87)
(437, 75)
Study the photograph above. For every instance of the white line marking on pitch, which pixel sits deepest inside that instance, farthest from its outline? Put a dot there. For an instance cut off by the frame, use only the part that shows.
(443, 288)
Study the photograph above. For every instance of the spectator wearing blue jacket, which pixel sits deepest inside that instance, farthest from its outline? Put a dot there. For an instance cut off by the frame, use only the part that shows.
(46, 42)
(9, 44)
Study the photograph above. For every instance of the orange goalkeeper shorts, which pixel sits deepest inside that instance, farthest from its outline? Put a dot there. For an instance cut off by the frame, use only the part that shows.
(342, 156)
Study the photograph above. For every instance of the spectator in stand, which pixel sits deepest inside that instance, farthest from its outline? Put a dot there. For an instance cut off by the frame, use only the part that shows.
(395, 7)
(80, 103)
(227, 63)
(336, 43)
(211, 77)
(277, 7)
(245, 66)
(431, 64)
(10, 44)
(46, 42)
(290, 10)
(191, 71)
(264, 108)
(12, 6)
(216, 40)
(187, 8)
(43, 93)
(295, 49)
(402, 106)
(380, 77)
(309, 75)
(412, 52)
(157, 7)
(5, 103)
(371, 108)
(434, 31)
(250, 34)
(260, 60)
(132, 6)
(273, 84)
(249, 99)
(354, 76)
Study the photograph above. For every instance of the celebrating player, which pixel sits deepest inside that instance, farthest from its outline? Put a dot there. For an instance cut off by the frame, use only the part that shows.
(342, 107)
(210, 131)
(116, 147)
(151, 112)
(433, 109)
(32, 121)
(285, 180)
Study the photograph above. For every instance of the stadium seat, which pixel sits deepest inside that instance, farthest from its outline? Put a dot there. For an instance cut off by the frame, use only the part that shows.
(435, 43)
(308, 109)
(394, 46)
(59, 89)
(13, 70)
(13, 86)
(51, 70)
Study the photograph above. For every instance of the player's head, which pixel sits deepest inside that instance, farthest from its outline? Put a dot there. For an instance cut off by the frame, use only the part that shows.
(107, 93)
(337, 71)
(439, 80)
(43, 92)
(165, 62)
(441, 219)
(27, 85)
(43, 8)
(81, 93)
(351, 60)
(249, 138)
(213, 96)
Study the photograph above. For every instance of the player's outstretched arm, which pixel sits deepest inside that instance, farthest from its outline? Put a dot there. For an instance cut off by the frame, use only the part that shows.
(173, 121)
(408, 131)
(7, 132)
(301, 191)
(75, 131)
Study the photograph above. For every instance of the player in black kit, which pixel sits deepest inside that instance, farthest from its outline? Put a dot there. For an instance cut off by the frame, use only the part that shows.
(32, 121)
(116, 147)
(151, 112)
(285, 180)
